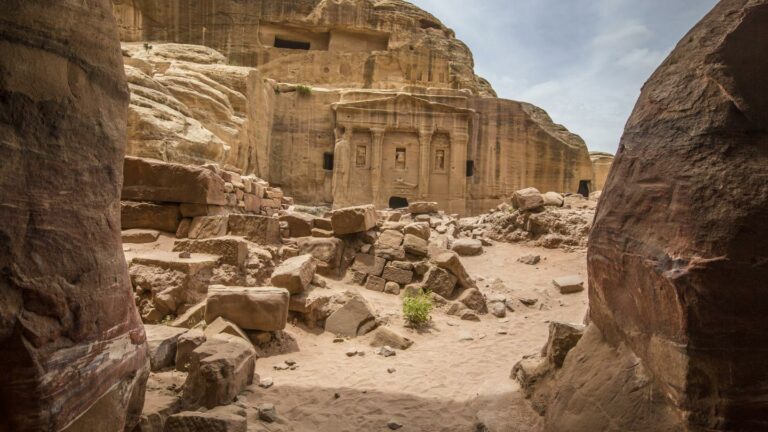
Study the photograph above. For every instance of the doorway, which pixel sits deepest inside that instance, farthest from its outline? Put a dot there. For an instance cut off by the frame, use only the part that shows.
(396, 202)
(584, 186)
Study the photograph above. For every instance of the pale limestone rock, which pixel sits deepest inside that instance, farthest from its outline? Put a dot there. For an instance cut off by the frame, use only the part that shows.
(467, 247)
(527, 199)
(569, 284)
(352, 220)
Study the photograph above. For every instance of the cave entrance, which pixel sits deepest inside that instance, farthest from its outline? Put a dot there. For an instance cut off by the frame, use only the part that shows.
(396, 202)
(584, 186)
(291, 44)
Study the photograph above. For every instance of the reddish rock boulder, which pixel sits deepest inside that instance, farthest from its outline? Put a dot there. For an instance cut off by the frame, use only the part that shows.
(678, 253)
(66, 306)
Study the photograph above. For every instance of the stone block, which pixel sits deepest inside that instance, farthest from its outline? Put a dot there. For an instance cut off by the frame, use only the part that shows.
(187, 343)
(422, 207)
(394, 274)
(140, 236)
(415, 246)
(153, 180)
(527, 199)
(375, 283)
(264, 308)
(569, 284)
(299, 224)
(355, 318)
(204, 227)
(221, 419)
(295, 274)
(143, 215)
(419, 229)
(327, 252)
(161, 344)
(369, 264)
(263, 230)
(440, 281)
(232, 250)
(352, 220)
(467, 247)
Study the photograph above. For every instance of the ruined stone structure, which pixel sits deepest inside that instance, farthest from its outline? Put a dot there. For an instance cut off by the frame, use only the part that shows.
(352, 102)
(73, 346)
(678, 253)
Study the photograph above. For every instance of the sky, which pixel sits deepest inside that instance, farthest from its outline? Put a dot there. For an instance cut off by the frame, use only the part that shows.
(583, 61)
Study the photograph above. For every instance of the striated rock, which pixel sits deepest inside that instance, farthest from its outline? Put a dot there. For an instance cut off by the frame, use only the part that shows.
(65, 299)
(295, 274)
(162, 341)
(264, 309)
(677, 290)
(220, 419)
(219, 370)
(153, 180)
(152, 216)
(352, 220)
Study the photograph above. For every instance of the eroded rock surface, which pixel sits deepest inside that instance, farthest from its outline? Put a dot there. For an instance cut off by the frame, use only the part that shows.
(66, 307)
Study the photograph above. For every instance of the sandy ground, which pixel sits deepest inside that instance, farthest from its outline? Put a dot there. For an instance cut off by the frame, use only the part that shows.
(441, 383)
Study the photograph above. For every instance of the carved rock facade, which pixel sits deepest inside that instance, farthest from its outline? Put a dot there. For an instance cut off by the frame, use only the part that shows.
(352, 102)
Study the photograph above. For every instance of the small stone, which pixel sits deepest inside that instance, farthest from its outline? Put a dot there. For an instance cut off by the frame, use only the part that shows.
(569, 284)
(529, 259)
(294, 367)
(465, 337)
(336, 395)
(498, 309)
(393, 425)
(290, 362)
(266, 382)
(185, 255)
(386, 351)
(501, 332)
(338, 340)
(267, 413)
(281, 366)
(351, 352)
(391, 370)
(528, 301)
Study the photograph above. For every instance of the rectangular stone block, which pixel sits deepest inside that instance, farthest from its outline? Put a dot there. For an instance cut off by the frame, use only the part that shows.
(219, 370)
(232, 250)
(259, 229)
(398, 275)
(144, 215)
(352, 220)
(369, 264)
(203, 227)
(375, 283)
(264, 309)
(153, 180)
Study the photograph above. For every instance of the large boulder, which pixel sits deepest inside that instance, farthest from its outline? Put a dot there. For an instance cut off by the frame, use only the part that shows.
(299, 224)
(264, 309)
(351, 220)
(677, 255)
(422, 207)
(66, 305)
(295, 274)
(328, 254)
(450, 261)
(154, 180)
(527, 199)
(219, 370)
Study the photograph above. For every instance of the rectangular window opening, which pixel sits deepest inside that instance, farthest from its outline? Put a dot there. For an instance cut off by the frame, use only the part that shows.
(290, 44)
(470, 168)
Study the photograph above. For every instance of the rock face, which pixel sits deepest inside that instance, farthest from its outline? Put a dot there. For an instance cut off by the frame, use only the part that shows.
(191, 104)
(677, 260)
(65, 297)
(601, 166)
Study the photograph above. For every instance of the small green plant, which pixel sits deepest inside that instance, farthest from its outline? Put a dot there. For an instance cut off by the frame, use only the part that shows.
(147, 46)
(416, 308)
(304, 90)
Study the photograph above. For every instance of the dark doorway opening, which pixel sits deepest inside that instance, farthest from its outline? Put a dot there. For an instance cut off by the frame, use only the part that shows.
(470, 168)
(584, 186)
(328, 161)
(285, 43)
(398, 202)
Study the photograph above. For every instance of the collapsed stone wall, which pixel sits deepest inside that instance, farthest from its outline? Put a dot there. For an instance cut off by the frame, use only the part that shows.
(73, 347)
(677, 261)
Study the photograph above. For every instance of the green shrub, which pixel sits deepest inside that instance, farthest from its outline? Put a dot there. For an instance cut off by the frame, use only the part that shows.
(416, 308)
(303, 89)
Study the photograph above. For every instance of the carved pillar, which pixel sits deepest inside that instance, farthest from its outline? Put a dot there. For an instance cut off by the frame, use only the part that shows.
(457, 174)
(425, 141)
(377, 160)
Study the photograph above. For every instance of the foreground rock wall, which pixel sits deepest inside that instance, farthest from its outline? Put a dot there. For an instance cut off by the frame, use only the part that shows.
(70, 334)
(678, 255)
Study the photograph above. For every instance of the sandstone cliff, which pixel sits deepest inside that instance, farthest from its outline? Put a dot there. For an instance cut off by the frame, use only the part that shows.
(396, 68)
(72, 341)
